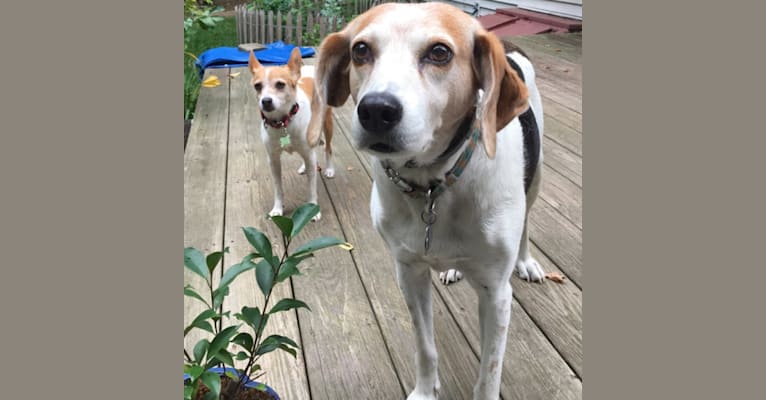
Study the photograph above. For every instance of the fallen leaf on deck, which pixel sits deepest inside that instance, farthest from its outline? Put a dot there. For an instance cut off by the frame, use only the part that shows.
(211, 81)
(349, 169)
(234, 75)
(346, 246)
(555, 276)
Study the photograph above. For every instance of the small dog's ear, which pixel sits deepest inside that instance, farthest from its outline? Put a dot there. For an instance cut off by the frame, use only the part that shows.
(253, 63)
(505, 94)
(294, 65)
(332, 69)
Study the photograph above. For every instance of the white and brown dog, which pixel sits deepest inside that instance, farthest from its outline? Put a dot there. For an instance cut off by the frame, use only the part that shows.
(431, 86)
(292, 117)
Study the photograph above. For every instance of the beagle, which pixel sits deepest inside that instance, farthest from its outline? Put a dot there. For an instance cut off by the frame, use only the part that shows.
(291, 118)
(453, 123)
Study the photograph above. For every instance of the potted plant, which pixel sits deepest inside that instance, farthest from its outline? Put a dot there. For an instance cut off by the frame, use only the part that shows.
(209, 370)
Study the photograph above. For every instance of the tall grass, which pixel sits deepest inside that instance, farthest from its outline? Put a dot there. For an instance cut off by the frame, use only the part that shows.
(222, 34)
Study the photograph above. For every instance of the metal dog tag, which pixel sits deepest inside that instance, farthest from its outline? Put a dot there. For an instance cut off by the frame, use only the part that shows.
(284, 141)
(428, 216)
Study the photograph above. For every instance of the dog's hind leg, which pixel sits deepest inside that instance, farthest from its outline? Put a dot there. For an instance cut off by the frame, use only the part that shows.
(329, 168)
(415, 283)
(310, 161)
(276, 176)
(526, 266)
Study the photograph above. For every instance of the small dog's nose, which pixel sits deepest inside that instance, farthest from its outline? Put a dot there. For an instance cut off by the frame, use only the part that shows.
(379, 112)
(267, 104)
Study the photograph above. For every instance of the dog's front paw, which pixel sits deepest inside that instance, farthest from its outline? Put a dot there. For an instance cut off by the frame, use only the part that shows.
(415, 395)
(317, 217)
(302, 169)
(329, 172)
(530, 270)
(450, 276)
(275, 212)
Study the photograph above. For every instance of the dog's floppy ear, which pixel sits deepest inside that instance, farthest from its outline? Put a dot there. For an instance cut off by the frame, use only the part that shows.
(253, 63)
(331, 86)
(505, 94)
(294, 65)
(332, 69)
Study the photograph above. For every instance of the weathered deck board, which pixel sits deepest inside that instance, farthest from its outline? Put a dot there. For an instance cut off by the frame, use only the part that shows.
(358, 341)
(532, 369)
(246, 202)
(563, 195)
(204, 183)
(563, 161)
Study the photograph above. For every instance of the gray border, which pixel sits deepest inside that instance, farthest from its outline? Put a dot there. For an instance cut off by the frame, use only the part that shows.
(670, 308)
(91, 159)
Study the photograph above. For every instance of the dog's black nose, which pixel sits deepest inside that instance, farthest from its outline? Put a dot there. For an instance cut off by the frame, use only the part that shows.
(267, 104)
(379, 112)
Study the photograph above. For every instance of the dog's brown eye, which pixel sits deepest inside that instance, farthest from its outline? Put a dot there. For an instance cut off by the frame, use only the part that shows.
(361, 53)
(280, 85)
(258, 86)
(439, 54)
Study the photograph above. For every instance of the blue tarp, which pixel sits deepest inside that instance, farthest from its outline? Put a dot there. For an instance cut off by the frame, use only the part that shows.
(277, 53)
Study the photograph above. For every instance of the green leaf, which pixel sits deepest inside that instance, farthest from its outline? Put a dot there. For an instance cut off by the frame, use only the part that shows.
(250, 316)
(210, 396)
(219, 295)
(225, 357)
(289, 350)
(302, 216)
(317, 244)
(221, 340)
(289, 268)
(195, 371)
(200, 349)
(201, 322)
(189, 291)
(261, 387)
(188, 392)
(231, 374)
(274, 342)
(288, 304)
(283, 340)
(213, 259)
(244, 339)
(284, 224)
(259, 241)
(195, 262)
(264, 274)
(213, 382)
(234, 271)
(242, 356)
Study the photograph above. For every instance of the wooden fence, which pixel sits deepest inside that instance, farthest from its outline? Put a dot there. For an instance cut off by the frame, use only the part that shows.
(302, 28)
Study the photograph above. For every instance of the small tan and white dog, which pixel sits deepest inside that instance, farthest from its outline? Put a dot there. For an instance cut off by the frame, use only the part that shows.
(292, 117)
(432, 88)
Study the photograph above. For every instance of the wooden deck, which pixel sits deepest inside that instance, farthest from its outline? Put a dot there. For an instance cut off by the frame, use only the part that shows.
(357, 343)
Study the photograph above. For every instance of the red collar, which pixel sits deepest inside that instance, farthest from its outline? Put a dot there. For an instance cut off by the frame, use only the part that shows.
(280, 123)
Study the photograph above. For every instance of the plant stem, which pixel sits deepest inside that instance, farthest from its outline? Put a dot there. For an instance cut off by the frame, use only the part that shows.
(186, 353)
(246, 372)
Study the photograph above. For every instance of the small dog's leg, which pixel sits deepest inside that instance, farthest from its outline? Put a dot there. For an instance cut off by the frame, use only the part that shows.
(329, 169)
(276, 177)
(415, 283)
(310, 161)
(494, 319)
(302, 168)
